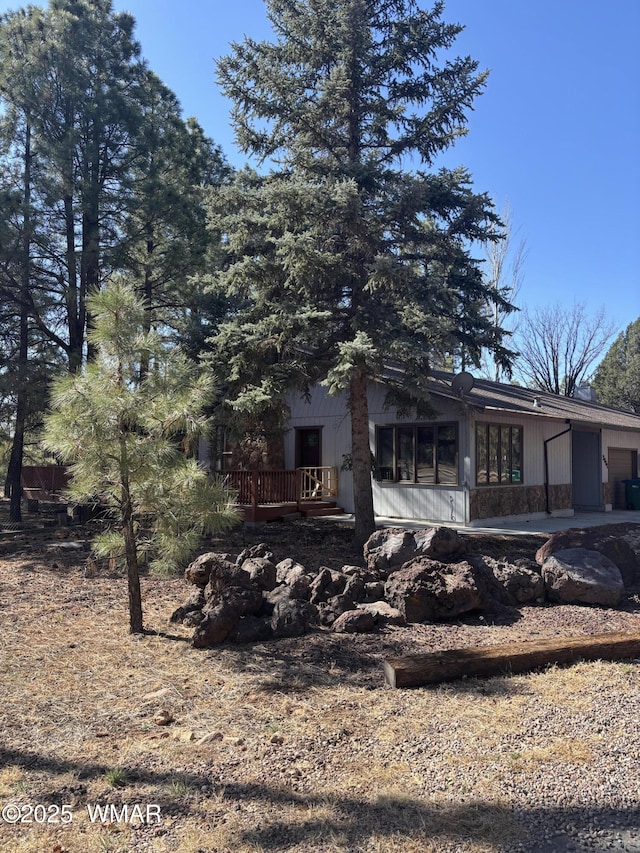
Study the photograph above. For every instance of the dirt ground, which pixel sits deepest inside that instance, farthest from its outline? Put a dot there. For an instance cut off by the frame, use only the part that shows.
(293, 745)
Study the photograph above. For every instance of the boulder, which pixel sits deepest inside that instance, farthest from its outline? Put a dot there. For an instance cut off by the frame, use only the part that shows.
(509, 583)
(292, 617)
(425, 590)
(354, 621)
(615, 548)
(355, 589)
(374, 591)
(239, 600)
(261, 571)
(199, 571)
(224, 575)
(392, 547)
(581, 576)
(193, 604)
(365, 575)
(335, 606)
(250, 629)
(326, 584)
(193, 618)
(214, 627)
(521, 581)
(383, 613)
(388, 548)
(295, 576)
(260, 550)
(289, 570)
(439, 543)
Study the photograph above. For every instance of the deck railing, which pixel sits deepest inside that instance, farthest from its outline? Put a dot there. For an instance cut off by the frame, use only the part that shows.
(318, 483)
(255, 488)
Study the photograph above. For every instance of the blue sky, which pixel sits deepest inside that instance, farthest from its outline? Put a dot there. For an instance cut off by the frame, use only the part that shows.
(556, 133)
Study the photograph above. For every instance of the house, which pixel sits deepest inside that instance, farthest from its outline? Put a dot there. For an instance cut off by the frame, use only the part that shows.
(492, 451)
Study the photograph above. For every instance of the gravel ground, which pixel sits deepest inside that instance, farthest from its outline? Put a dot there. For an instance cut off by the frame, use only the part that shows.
(298, 745)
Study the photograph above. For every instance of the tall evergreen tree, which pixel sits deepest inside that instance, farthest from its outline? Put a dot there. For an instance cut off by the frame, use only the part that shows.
(26, 357)
(165, 241)
(73, 71)
(108, 176)
(617, 379)
(345, 255)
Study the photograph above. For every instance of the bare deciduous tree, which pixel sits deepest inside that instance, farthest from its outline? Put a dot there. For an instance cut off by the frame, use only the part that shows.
(504, 274)
(559, 345)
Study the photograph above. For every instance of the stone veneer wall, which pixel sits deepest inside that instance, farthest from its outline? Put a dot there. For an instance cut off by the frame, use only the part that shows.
(494, 501)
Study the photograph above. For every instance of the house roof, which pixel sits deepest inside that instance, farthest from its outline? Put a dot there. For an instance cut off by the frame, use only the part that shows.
(487, 396)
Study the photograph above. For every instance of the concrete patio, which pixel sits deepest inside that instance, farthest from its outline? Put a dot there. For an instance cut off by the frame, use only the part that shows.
(518, 527)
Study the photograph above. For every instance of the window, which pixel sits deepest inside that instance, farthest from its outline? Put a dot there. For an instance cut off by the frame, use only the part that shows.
(422, 453)
(498, 454)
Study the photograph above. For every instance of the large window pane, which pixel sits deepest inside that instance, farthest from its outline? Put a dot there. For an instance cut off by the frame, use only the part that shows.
(406, 460)
(493, 459)
(384, 455)
(482, 433)
(498, 454)
(447, 455)
(505, 454)
(425, 455)
(516, 455)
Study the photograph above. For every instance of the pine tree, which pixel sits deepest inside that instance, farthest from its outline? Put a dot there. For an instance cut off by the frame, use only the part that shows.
(345, 255)
(108, 178)
(124, 439)
(617, 379)
(165, 241)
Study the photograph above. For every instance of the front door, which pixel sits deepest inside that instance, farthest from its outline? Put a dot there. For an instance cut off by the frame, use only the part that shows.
(309, 447)
(586, 470)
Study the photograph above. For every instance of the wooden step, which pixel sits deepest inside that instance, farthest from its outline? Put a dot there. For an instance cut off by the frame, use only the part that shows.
(314, 509)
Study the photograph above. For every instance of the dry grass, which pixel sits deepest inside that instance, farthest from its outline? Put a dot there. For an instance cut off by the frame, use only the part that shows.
(294, 745)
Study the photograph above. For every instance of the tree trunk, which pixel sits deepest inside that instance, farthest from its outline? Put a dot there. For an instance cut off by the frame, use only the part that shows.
(130, 545)
(89, 263)
(75, 322)
(361, 458)
(17, 449)
(14, 474)
(133, 577)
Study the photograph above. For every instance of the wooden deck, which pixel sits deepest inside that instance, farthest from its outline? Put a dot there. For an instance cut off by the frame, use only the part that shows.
(44, 483)
(270, 495)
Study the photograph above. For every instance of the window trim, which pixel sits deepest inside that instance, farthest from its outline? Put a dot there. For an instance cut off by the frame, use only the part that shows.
(483, 483)
(435, 425)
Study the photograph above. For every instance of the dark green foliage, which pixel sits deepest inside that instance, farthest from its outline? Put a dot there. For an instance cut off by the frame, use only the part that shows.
(100, 174)
(124, 438)
(345, 256)
(617, 379)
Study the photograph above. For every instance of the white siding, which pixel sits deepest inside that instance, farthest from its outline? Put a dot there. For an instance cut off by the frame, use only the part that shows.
(620, 438)
(434, 503)
(431, 503)
(438, 503)
(330, 413)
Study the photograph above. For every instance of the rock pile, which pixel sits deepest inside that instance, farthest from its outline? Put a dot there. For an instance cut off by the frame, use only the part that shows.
(408, 576)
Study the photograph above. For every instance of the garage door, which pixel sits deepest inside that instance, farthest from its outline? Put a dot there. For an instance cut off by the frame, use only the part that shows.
(621, 467)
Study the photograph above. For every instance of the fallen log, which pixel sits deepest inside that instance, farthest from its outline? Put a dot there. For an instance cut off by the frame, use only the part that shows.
(508, 658)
